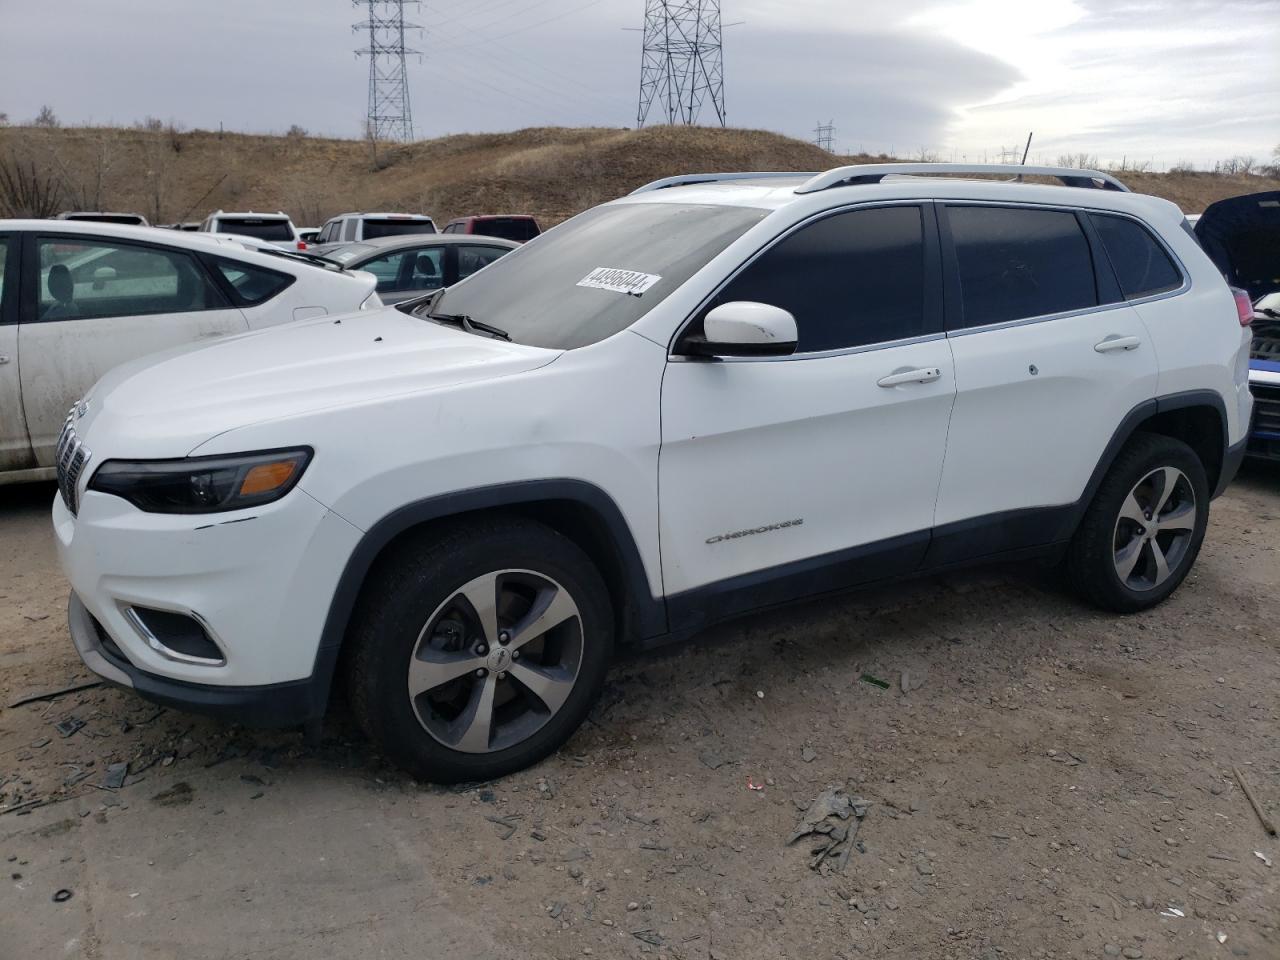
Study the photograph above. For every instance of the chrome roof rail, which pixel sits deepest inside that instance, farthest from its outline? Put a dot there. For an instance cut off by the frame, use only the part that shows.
(864, 173)
(688, 179)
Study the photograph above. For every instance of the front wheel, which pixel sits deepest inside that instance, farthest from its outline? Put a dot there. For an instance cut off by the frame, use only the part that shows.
(479, 650)
(1143, 530)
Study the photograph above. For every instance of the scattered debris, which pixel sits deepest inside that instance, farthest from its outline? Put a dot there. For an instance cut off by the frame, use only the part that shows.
(711, 760)
(62, 896)
(49, 695)
(651, 937)
(910, 681)
(177, 795)
(251, 779)
(555, 910)
(1067, 757)
(36, 617)
(752, 785)
(1267, 825)
(538, 835)
(68, 726)
(116, 772)
(1222, 937)
(508, 823)
(1172, 912)
(874, 681)
(833, 819)
(1263, 857)
(651, 845)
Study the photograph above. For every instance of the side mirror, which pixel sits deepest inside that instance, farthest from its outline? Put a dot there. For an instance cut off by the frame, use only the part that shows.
(744, 329)
(102, 275)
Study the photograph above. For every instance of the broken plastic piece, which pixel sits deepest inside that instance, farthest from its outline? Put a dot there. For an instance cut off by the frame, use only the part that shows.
(875, 681)
(754, 786)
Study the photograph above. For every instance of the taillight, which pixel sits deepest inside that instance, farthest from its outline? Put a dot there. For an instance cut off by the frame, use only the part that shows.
(302, 244)
(1244, 306)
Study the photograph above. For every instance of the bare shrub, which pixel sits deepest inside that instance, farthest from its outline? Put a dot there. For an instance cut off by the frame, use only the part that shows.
(1185, 168)
(296, 132)
(27, 190)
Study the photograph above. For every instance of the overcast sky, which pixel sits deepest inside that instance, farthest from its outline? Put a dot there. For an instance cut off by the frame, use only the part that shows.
(1161, 80)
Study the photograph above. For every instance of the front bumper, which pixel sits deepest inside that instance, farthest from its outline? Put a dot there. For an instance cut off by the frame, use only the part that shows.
(260, 581)
(272, 705)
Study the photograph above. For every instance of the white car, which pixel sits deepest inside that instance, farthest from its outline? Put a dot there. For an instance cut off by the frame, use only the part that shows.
(77, 299)
(370, 226)
(275, 228)
(718, 394)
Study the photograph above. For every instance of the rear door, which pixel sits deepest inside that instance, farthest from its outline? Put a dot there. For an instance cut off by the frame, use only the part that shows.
(15, 451)
(406, 273)
(97, 302)
(1048, 359)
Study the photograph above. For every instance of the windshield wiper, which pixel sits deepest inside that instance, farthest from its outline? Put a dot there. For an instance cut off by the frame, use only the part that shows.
(469, 325)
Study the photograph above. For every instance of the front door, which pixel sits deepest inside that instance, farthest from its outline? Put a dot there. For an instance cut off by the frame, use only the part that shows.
(96, 303)
(784, 477)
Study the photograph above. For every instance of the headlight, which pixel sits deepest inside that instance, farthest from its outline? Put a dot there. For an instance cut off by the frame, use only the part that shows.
(203, 484)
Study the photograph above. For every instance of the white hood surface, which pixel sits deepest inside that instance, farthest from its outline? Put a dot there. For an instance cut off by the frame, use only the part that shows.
(166, 405)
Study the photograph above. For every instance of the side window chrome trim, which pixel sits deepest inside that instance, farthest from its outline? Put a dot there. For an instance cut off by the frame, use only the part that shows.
(922, 204)
(816, 354)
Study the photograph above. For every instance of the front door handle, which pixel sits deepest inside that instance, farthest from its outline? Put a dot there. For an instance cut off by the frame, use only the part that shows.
(923, 375)
(1117, 342)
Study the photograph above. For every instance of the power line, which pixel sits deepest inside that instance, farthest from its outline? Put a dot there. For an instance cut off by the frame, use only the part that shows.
(681, 61)
(390, 116)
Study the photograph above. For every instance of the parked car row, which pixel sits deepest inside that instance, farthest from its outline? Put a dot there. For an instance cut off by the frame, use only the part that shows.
(714, 395)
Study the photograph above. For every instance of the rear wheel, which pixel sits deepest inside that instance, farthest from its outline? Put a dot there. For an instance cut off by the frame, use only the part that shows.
(479, 650)
(1143, 530)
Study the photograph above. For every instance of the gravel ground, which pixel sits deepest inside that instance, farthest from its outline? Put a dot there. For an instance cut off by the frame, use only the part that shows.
(1039, 780)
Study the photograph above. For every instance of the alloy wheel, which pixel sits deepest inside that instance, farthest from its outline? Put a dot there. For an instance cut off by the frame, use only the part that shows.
(1155, 529)
(496, 661)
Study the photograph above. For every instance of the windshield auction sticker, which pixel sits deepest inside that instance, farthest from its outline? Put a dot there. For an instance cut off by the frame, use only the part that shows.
(629, 282)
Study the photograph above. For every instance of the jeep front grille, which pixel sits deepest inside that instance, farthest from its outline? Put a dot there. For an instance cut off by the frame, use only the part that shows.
(72, 455)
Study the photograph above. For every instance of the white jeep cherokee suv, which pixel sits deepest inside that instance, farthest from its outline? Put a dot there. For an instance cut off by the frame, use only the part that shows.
(720, 393)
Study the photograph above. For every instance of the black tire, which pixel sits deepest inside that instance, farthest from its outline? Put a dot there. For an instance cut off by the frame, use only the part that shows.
(1093, 557)
(410, 585)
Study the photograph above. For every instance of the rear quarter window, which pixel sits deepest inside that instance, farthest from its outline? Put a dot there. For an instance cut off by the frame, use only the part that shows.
(1142, 267)
(250, 284)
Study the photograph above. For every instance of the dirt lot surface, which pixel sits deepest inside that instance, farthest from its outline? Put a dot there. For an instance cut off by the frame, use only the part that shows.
(1053, 782)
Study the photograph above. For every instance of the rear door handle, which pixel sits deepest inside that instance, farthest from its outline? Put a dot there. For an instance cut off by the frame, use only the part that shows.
(923, 375)
(1117, 342)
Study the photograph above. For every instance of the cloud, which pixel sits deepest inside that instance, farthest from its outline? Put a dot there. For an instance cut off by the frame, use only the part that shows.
(1163, 78)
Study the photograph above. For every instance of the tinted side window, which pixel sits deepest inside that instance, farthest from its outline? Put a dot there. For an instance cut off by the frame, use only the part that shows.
(850, 279)
(96, 278)
(471, 259)
(4, 253)
(352, 223)
(1140, 263)
(1017, 263)
(252, 284)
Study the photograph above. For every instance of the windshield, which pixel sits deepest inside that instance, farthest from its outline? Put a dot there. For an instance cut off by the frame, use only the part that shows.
(598, 273)
(395, 227)
(261, 229)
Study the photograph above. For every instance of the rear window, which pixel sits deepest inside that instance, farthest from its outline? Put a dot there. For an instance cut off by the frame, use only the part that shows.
(252, 284)
(1017, 263)
(518, 229)
(396, 228)
(125, 218)
(1141, 265)
(263, 229)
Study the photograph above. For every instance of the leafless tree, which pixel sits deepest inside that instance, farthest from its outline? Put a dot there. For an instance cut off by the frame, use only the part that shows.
(296, 132)
(1081, 161)
(27, 190)
(46, 118)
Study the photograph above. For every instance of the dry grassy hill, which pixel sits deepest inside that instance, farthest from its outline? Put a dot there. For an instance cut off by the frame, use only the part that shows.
(551, 172)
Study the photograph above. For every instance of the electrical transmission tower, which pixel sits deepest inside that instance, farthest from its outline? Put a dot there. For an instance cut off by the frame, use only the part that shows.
(825, 136)
(390, 117)
(682, 65)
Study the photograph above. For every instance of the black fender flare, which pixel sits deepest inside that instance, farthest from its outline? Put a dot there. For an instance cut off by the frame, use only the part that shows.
(645, 615)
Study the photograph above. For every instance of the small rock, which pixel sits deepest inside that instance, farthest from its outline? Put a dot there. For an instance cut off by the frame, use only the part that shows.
(1216, 789)
(575, 872)
(1131, 953)
(1123, 853)
(924, 869)
(633, 906)
(487, 796)
(808, 754)
(1111, 949)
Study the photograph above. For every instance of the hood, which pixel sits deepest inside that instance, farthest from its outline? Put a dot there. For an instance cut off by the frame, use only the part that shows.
(1241, 235)
(166, 405)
